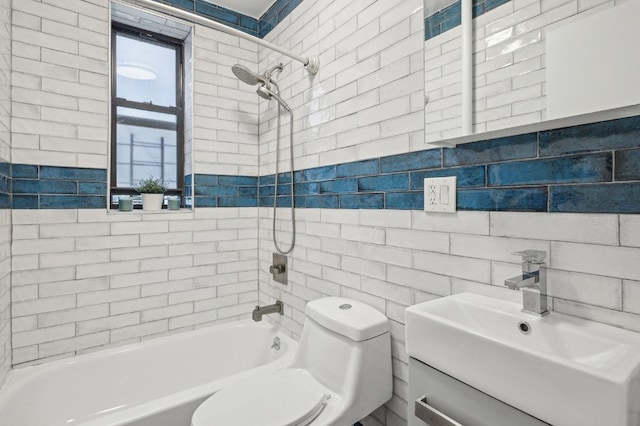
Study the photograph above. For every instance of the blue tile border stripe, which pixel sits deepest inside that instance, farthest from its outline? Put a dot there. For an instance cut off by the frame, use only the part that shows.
(537, 172)
(51, 187)
(450, 16)
(256, 27)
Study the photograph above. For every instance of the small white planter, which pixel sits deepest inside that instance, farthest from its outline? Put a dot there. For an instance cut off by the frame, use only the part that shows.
(152, 202)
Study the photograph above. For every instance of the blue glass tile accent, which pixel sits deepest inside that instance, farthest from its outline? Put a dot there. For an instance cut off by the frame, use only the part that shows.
(450, 16)
(208, 180)
(517, 199)
(315, 174)
(92, 188)
(266, 191)
(466, 176)
(216, 190)
(431, 28)
(5, 168)
(266, 202)
(72, 202)
(606, 135)
(218, 13)
(237, 202)
(358, 168)
(266, 27)
(628, 165)
(308, 188)
(283, 177)
(339, 186)
(428, 159)
(361, 201)
(24, 202)
(286, 201)
(413, 200)
(184, 4)
(237, 180)
(24, 171)
(321, 202)
(249, 23)
(596, 198)
(266, 180)
(5, 201)
(492, 4)
(247, 191)
(492, 150)
(276, 13)
(24, 186)
(73, 173)
(206, 202)
(381, 183)
(584, 168)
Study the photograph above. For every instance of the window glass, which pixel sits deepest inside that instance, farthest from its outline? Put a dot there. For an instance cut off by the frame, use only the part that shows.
(147, 137)
(145, 71)
(146, 146)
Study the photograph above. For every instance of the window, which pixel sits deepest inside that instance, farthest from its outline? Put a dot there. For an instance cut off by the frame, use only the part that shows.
(147, 133)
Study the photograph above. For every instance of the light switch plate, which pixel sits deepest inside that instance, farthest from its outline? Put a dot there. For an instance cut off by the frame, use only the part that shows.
(440, 194)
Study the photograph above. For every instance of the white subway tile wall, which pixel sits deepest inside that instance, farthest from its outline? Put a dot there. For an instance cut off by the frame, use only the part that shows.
(83, 279)
(509, 67)
(60, 83)
(362, 103)
(88, 279)
(392, 262)
(5, 214)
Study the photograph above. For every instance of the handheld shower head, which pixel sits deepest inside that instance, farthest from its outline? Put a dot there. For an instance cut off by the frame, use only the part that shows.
(265, 92)
(247, 76)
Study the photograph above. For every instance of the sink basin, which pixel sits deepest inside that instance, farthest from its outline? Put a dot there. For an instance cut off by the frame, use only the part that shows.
(561, 369)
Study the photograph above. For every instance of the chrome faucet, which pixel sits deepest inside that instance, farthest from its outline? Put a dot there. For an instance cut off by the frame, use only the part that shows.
(276, 308)
(532, 282)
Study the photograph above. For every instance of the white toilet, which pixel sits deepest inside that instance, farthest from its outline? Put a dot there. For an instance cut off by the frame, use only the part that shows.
(340, 374)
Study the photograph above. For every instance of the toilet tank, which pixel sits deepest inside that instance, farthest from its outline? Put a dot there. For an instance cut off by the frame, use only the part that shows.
(350, 318)
(346, 346)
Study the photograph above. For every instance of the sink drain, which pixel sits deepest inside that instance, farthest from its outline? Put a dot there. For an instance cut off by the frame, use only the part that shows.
(524, 327)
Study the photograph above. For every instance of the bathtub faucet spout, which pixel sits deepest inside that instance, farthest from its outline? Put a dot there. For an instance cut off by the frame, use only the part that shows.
(276, 308)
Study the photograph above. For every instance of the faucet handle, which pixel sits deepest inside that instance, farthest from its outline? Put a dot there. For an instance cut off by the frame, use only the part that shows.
(532, 256)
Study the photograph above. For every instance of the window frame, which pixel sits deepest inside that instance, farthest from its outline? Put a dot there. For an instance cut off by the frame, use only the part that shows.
(178, 110)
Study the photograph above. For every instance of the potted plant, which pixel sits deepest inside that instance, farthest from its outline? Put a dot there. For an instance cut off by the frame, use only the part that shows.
(152, 191)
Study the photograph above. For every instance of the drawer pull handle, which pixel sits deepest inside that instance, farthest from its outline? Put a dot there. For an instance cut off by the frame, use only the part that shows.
(430, 415)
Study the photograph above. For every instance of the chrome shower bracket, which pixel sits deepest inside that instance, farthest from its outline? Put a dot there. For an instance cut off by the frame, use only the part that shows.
(279, 268)
(313, 65)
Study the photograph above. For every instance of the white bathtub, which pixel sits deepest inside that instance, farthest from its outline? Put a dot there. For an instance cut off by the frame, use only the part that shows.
(154, 383)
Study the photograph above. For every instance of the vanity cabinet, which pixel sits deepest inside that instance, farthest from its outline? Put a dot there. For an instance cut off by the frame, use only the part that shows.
(461, 403)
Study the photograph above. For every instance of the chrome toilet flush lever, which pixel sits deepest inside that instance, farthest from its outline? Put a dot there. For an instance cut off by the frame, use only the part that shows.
(532, 282)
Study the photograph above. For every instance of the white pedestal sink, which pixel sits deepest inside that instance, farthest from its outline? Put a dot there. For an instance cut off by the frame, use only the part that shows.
(563, 370)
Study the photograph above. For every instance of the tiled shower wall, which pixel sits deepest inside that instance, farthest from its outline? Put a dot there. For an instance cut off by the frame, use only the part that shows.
(393, 258)
(84, 278)
(5, 213)
(508, 66)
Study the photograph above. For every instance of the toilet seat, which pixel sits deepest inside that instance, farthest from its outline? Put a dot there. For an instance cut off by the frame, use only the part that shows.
(288, 397)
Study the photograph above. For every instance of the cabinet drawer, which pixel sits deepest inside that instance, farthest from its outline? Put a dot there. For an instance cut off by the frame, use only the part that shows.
(458, 401)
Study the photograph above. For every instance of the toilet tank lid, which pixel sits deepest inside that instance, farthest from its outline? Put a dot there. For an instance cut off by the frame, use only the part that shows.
(351, 318)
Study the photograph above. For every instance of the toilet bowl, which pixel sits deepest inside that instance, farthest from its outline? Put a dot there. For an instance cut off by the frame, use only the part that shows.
(340, 374)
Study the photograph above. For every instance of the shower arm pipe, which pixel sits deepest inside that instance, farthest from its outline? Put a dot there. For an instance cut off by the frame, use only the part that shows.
(311, 63)
(467, 66)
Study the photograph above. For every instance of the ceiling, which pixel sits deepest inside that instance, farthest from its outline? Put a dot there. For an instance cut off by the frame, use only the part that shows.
(253, 8)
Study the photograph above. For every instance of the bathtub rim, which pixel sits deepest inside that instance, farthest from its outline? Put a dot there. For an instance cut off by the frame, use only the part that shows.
(22, 376)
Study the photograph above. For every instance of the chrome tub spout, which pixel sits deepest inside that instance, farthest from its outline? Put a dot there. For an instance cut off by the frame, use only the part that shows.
(276, 308)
